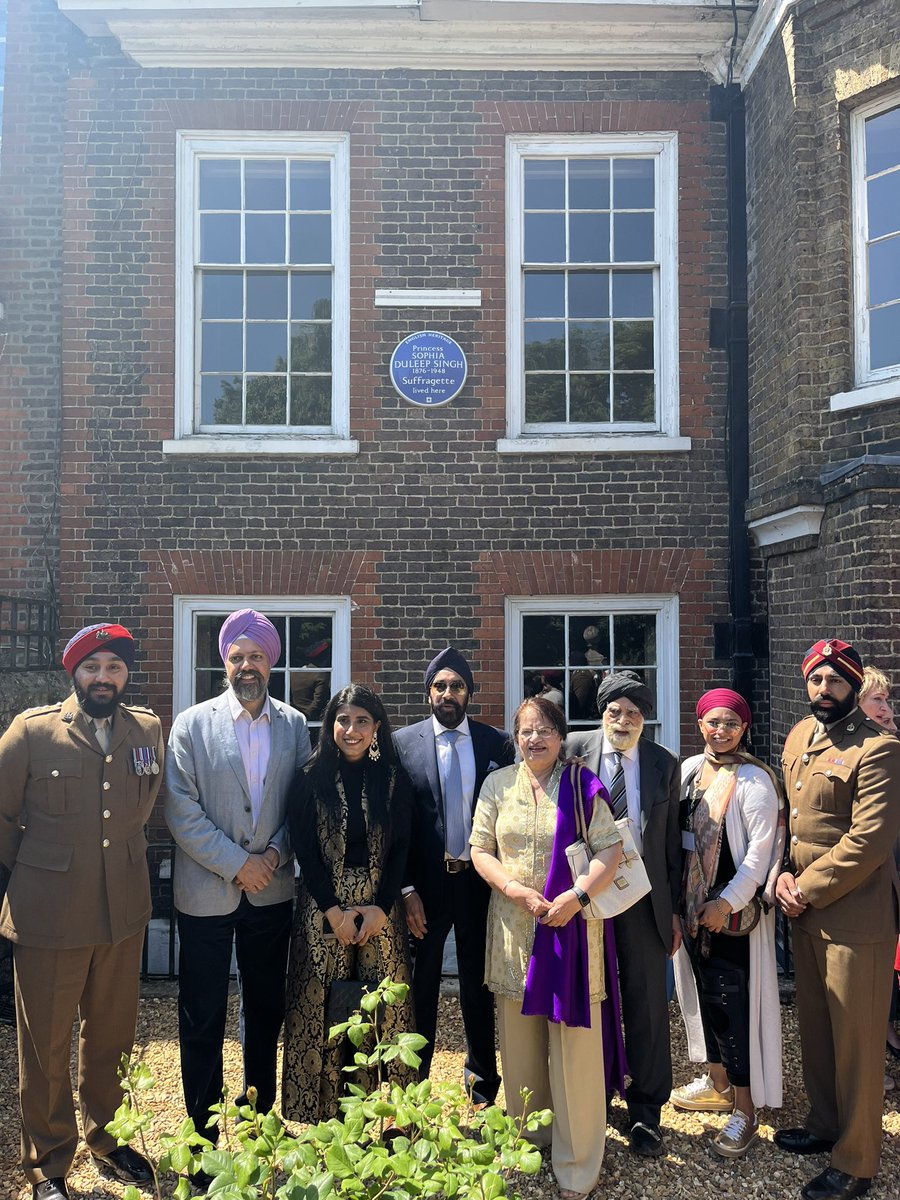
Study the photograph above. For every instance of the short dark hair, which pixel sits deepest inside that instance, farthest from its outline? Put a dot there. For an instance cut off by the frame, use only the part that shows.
(552, 712)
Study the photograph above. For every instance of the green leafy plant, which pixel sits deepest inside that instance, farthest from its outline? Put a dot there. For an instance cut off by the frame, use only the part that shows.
(390, 1143)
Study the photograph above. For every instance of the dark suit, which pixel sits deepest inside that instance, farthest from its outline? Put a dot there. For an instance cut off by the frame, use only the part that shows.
(644, 932)
(457, 902)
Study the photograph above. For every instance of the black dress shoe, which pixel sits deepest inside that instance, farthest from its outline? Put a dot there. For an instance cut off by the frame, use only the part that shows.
(646, 1140)
(50, 1189)
(200, 1180)
(801, 1141)
(835, 1185)
(126, 1165)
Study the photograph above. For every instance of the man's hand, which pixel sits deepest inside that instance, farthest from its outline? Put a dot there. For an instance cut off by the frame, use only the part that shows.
(789, 896)
(677, 936)
(415, 914)
(257, 872)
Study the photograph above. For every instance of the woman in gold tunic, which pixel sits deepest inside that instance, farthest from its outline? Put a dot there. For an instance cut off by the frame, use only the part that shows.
(349, 816)
(543, 962)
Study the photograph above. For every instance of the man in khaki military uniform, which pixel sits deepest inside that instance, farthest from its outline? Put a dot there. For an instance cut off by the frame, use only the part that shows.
(77, 783)
(842, 779)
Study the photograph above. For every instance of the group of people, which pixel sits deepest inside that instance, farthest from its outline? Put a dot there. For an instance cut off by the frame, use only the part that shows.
(401, 836)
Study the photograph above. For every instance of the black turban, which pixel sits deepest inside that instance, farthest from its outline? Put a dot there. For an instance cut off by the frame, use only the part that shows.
(449, 660)
(628, 684)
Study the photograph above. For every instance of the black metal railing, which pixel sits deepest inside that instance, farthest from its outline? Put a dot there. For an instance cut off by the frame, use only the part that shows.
(28, 634)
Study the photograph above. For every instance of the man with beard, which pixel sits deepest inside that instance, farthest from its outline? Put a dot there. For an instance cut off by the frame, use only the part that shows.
(230, 764)
(840, 886)
(77, 783)
(642, 780)
(447, 757)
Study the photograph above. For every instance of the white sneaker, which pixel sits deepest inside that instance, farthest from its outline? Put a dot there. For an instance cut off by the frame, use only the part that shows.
(737, 1137)
(701, 1095)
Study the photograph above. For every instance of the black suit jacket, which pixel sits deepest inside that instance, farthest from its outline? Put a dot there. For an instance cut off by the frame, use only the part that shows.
(415, 744)
(660, 795)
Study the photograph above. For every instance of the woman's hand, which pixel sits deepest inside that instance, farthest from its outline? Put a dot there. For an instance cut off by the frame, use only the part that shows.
(713, 914)
(562, 909)
(343, 924)
(374, 920)
(527, 898)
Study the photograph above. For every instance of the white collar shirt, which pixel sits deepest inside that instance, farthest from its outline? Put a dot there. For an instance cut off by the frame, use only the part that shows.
(631, 767)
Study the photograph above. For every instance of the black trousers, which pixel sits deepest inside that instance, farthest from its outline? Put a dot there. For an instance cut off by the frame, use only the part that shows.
(462, 907)
(260, 935)
(723, 983)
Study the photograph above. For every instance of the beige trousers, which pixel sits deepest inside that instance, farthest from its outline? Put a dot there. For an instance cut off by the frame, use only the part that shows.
(563, 1068)
(99, 984)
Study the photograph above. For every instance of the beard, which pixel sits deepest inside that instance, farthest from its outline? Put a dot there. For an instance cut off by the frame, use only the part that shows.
(449, 711)
(623, 739)
(99, 700)
(834, 710)
(249, 685)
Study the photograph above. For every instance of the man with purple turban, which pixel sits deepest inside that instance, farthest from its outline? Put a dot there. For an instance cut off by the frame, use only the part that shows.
(840, 889)
(230, 763)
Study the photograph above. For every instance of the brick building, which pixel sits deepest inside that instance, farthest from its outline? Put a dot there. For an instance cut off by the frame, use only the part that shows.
(221, 221)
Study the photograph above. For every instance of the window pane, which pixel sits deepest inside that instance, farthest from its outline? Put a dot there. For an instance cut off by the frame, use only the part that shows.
(883, 200)
(267, 347)
(311, 185)
(310, 239)
(589, 398)
(220, 238)
(543, 640)
(589, 237)
(589, 640)
(634, 398)
(310, 400)
(633, 183)
(545, 183)
(222, 294)
(633, 345)
(220, 183)
(884, 337)
(264, 235)
(310, 347)
(266, 295)
(633, 237)
(588, 345)
(544, 294)
(264, 185)
(589, 294)
(545, 237)
(634, 636)
(884, 271)
(221, 346)
(545, 346)
(883, 141)
(589, 183)
(266, 400)
(632, 294)
(220, 400)
(310, 296)
(545, 397)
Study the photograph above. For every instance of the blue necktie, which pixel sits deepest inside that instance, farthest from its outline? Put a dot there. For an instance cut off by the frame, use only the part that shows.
(453, 801)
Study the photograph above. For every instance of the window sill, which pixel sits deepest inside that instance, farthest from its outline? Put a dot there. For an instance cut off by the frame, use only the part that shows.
(605, 443)
(259, 447)
(870, 393)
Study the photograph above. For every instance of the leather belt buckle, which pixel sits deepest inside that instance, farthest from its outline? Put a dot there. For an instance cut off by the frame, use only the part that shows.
(453, 866)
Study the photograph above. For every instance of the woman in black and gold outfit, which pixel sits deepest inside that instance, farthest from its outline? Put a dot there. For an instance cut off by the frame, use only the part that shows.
(349, 818)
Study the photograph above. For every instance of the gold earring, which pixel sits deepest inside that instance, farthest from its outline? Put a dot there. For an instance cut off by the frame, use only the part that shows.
(374, 750)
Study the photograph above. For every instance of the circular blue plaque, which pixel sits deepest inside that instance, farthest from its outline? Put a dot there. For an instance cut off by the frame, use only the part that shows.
(428, 368)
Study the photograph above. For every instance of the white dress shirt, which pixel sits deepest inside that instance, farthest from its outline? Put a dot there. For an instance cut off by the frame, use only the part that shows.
(631, 767)
(467, 769)
(255, 741)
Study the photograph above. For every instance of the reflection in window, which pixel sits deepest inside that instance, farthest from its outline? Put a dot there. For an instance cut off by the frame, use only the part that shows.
(568, 654)
(881, 204)
(265, 282)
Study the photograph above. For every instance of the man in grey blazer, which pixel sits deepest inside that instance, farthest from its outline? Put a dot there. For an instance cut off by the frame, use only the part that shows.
(643, 782)
(229, 766)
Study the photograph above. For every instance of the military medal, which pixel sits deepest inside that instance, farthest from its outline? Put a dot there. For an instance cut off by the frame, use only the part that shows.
(138, 763)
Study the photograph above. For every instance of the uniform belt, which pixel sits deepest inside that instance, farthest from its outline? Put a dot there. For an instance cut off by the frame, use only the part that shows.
(453, 866)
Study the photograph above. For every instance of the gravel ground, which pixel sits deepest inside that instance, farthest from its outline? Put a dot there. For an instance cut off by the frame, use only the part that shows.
(688, 1171)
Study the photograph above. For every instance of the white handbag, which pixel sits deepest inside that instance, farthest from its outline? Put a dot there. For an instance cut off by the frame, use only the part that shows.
(630, 882)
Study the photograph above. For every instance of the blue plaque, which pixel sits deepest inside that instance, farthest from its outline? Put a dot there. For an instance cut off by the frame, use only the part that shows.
(428, 368)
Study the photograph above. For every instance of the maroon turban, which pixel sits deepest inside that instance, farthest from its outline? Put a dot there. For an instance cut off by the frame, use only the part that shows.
(724, 698)
(840, 656)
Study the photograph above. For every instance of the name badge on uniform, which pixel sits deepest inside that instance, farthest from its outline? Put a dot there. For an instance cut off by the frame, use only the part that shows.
(145, 760)
(687, 839)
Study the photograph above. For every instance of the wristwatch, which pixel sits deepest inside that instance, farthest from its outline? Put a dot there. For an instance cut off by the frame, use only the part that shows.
(583, 898)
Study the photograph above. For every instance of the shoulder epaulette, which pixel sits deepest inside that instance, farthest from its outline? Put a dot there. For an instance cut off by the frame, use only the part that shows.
(41, 709)
(139, 708)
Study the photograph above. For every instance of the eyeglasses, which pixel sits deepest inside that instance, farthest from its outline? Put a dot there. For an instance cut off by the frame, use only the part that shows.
(620, 714)
(543, 731)
(728, 726)
(457, 687)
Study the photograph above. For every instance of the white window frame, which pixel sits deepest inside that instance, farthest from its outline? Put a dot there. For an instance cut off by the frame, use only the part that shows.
(584, 438)
(883, 384)
(187, 440)
(663, 607)
(186, 608)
